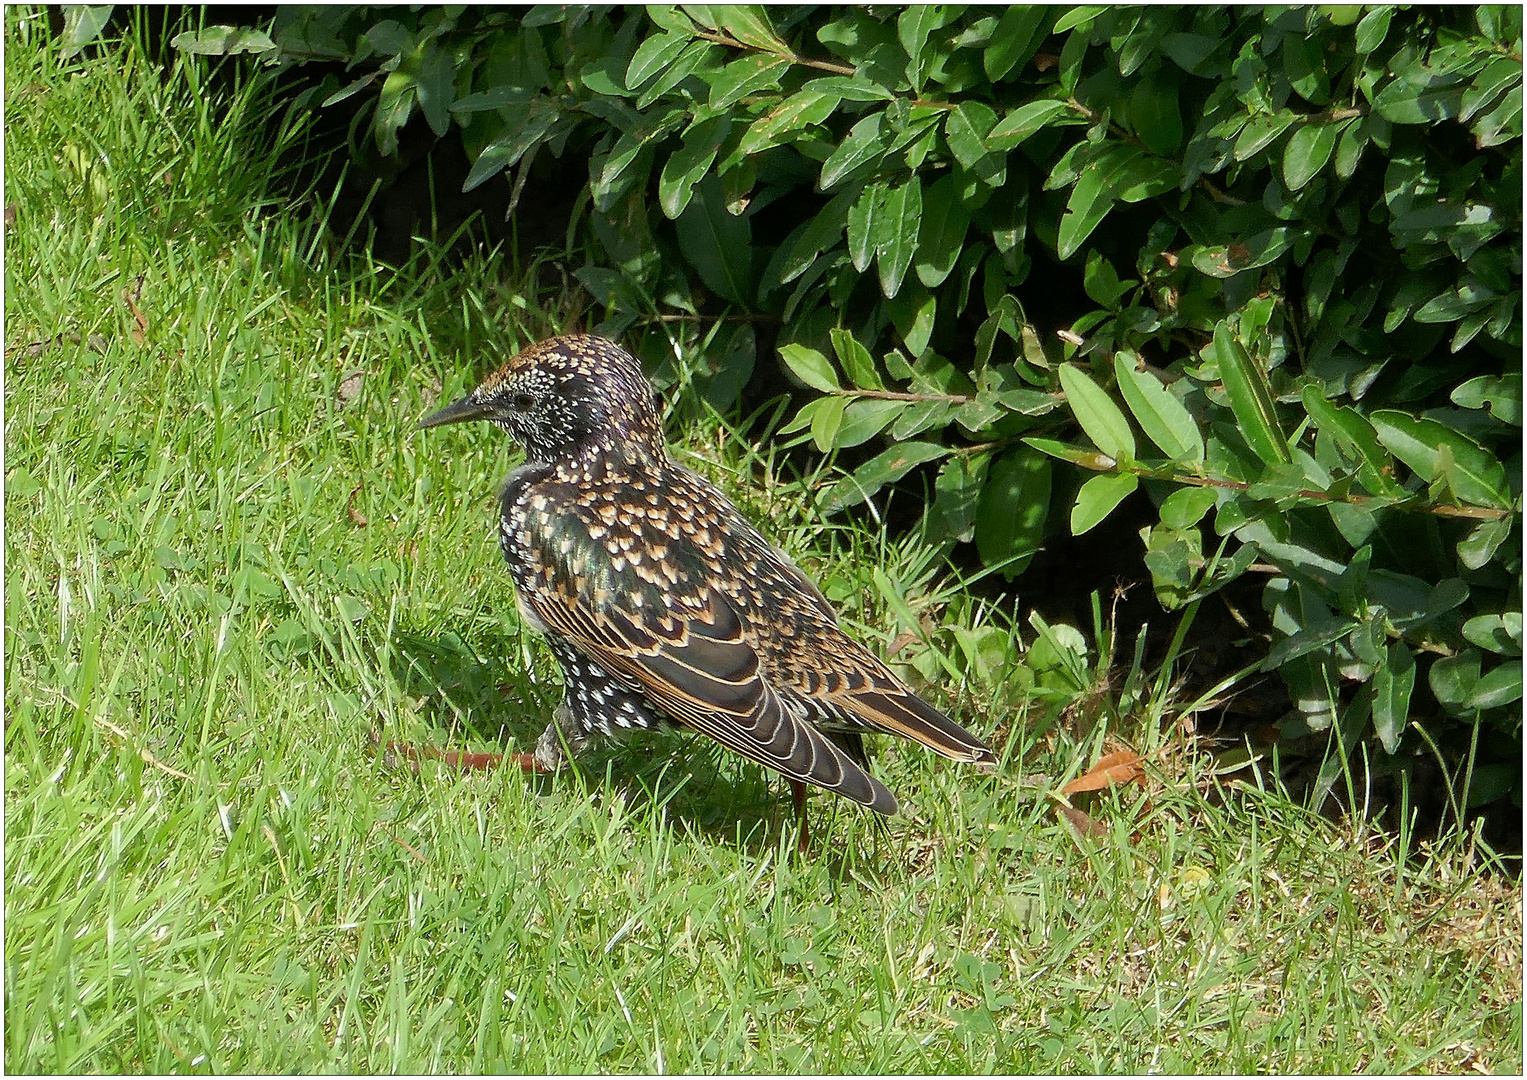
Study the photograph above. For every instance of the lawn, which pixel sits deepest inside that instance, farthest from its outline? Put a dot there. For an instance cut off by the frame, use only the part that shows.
(231, 562)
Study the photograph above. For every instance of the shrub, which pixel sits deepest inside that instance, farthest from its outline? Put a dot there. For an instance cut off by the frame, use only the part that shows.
(1263, 263)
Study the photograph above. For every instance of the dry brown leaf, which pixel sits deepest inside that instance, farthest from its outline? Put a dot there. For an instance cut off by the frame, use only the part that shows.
(1120, 767)
(349, 387)
(1084, 824)
(131, 295)
(356, 517)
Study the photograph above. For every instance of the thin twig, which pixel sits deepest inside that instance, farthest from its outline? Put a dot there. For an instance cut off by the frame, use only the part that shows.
(897, 395)
(144, 754)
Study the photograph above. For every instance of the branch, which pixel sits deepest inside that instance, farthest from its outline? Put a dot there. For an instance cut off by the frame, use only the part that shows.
(896, 395)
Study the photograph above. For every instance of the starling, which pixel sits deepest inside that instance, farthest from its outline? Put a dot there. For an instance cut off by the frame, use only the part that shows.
(662, 604)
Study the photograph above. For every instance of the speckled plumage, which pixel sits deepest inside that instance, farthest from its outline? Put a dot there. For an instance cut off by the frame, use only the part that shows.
(663, 604)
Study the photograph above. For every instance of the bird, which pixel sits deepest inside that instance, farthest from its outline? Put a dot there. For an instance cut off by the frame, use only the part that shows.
(663, 605)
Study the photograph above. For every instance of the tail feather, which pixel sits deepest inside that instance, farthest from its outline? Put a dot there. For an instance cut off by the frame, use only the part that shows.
(904, 713)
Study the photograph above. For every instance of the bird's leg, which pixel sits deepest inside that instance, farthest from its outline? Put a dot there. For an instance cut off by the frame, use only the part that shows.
(798, 796)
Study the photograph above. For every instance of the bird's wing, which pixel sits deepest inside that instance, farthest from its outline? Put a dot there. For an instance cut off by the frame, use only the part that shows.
(833, 668)
(693, 660)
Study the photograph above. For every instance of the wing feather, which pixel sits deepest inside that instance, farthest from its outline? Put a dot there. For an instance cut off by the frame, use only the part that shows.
(708, 677)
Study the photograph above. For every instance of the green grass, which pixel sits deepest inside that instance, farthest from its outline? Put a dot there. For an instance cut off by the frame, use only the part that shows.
(222, 579)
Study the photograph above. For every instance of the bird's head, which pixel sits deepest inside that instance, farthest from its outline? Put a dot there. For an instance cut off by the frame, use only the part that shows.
(565, 395)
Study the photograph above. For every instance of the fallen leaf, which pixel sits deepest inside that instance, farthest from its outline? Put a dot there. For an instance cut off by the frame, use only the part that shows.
(1083, 823)
(356, 517)
(349, 387)
(132, 295)
(1120, 767)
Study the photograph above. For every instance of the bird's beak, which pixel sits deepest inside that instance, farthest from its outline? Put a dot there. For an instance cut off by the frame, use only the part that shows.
(466, 409)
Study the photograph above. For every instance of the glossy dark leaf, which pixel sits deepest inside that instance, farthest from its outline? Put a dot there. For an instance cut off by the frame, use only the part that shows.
(1250, 398)
(1098, 497)
(1014, 505)
(1471, 471)
(810, 366)
(1100, 418)
(1392, 685)
(856, 361)
(941, 235)
(882, 469)
(1164, 419)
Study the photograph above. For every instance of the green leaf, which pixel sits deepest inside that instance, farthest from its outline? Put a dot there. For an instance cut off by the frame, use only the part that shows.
(1392, 685)
(1499, 686)
(864, 142)
(1023, 122)
(83, 23)
(437, 89)
(1498, 633)
(857, 362)
(912, 312)
(958, 487)
(1156, 116)
(884, 468)
(1076, 455)
(1248, 253)
(1471, 471)
(718, 245)
(799, 110)
(913, 26)
(532, 124)
(826, 421)
(1164, 419)
(748, 23)
(1260, 131)
(867, 417)
(1502, 393)
(1016, 38)
(697, 57)
(1495, 77)
(1098, 497)
(1306, 153)
(797, 255)
(393, 108)
(653, 55)
(1454, 679)
(896, 242)
(810, 366)
(687, 164)
(746, 75)
(1186, 506)
(965, 130)
(1250, 398)
(1081, 15)
(941, 235)
(1013, 508)
(1401, 102)
(1100, 418)
(1356, 435)
(1090, 200)
(864, 226)
(1477, 549)
(1372, 28)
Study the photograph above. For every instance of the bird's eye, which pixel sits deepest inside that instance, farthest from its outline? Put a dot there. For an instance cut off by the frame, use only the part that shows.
(524, 402)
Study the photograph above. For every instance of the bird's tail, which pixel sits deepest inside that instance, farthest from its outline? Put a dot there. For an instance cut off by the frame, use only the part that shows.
(903, 713)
